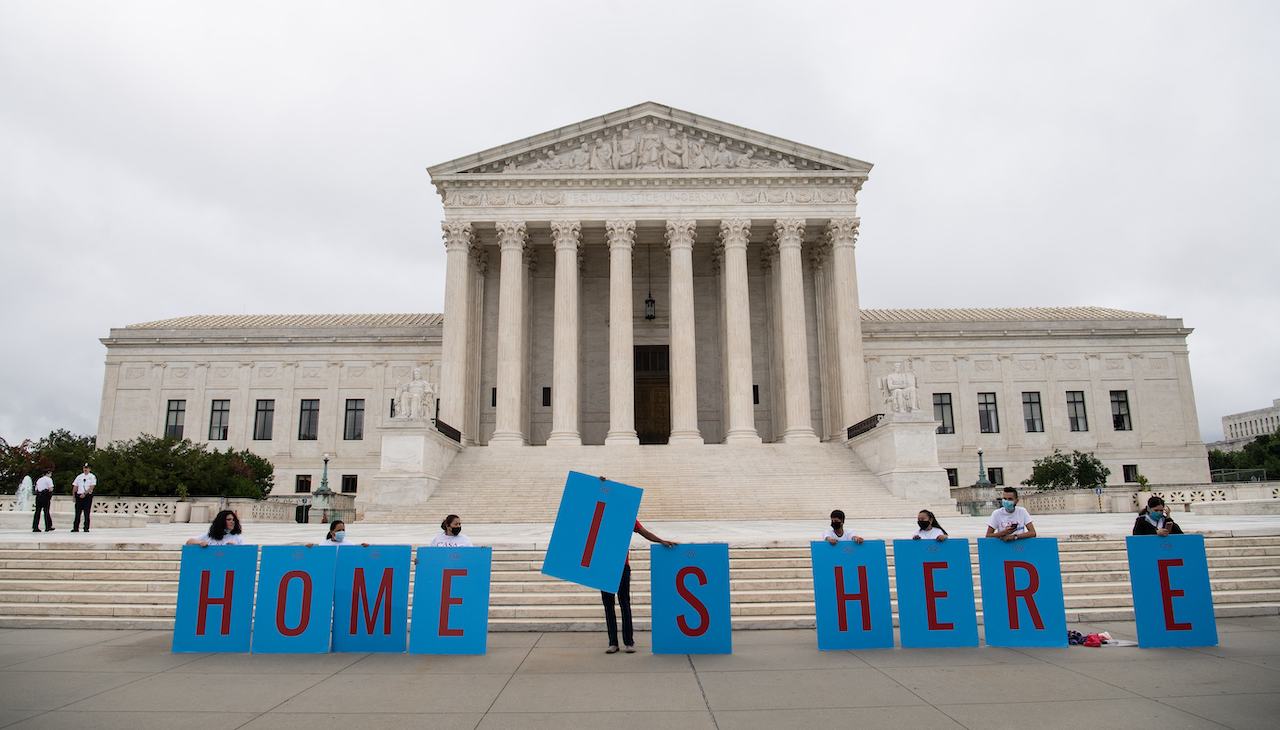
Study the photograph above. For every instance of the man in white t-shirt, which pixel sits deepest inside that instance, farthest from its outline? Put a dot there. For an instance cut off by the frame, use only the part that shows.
(837, 533)
(1010, 522)
(82, 490)
(44, 499)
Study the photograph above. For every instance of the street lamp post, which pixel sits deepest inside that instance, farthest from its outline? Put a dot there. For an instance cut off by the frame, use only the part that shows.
(983, 482)
(323, 496)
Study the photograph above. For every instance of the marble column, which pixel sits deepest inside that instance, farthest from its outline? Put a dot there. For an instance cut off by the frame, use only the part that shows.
(622, 405)
(734, 236)
(855, 405)
(457, 310)
(565, 235)
(508, 430)
(684, 371)
(795, 343)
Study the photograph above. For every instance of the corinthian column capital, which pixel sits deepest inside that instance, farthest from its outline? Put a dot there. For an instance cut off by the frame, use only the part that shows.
(511, 235)
(680, 233)
(789, 232)
(735, 232)
(457, 235)
(566, 234)
(621, 234)
(842, 232)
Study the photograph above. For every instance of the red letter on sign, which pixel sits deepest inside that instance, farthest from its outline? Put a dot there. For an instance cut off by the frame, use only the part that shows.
(1027, 594)
(360, 599)
(842, 598)
(283, 592)
(228, 582)
(931, 596)
(447, 600)
(1167, 594)
(591, 536)
(704, 618)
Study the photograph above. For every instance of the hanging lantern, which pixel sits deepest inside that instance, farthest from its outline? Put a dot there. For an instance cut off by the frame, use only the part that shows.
(650, 306)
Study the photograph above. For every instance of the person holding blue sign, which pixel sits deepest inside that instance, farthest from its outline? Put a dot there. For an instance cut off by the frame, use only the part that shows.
(1155, 520)
(929, 527)
(837, 532)
(224, 530)
(451, 534)
(624, 600)
(337, 535)
(1010, 522)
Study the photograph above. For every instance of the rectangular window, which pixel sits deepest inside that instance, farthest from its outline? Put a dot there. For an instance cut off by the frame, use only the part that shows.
(546, 397)
(953, 477)
(988, 417)
(755, 395)
(264, 416)
(353, 422)
(1130, 473)
(1031, 413)
(302, 483)
(996, 475)
(309, 419)
(1077, 417)
(493, 397)
(219, 420)
(348, 483)
(942, 412)
(1120, 420)
(174, 418)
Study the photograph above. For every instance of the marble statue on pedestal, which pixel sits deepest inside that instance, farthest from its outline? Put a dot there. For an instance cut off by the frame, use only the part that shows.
(899, 390)
(415, 400)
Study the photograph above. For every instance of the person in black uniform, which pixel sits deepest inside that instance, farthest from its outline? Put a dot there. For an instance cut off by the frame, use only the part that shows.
(1155, 520)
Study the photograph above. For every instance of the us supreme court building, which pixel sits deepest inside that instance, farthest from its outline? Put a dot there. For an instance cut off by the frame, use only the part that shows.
(654, 288)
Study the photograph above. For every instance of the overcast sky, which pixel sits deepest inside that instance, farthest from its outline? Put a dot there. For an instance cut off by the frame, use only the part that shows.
(164, 159)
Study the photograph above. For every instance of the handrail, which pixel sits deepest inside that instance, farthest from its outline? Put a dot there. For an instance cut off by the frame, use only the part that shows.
(864, 425)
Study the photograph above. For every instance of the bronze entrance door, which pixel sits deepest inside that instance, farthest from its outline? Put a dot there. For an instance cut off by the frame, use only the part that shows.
(653, 394)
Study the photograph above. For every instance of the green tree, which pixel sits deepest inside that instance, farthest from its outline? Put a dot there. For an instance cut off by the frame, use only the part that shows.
(1063, 471)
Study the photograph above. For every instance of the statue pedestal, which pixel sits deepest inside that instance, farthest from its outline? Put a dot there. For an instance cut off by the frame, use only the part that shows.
(414, 457)
(903, 453)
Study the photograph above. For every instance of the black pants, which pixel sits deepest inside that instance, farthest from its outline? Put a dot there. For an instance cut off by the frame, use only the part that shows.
(84, 505)
(610, 620)
(43, 500)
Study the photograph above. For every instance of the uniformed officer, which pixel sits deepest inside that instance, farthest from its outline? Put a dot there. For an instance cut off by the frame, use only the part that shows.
(44, 498)
(82, 488)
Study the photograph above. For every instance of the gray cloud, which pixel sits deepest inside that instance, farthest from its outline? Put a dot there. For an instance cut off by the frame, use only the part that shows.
(164, 159)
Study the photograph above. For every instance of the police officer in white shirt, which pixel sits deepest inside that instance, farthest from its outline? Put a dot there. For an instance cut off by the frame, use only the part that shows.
(82, 489)
(44, 498)
(1010, 522)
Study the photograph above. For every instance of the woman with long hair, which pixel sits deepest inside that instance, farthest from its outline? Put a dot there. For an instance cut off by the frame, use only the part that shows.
(929, 529)
(224, 530)
(1155, 519)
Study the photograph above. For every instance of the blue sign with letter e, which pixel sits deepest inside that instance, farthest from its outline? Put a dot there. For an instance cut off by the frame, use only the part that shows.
(851, 595)
(215, 598)
(451, 600)
(295, 599)
(1022, 601)
(592, 533)
(689, 585)
(1172, 598)
(935, 593)
(371, 598)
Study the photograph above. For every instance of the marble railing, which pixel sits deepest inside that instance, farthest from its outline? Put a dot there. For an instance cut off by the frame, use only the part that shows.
(164, 509)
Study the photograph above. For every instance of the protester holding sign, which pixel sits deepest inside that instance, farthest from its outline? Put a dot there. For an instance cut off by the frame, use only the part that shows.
(837, 533)
(224, 530)
(929, 527)
(624, 600)
(1155, 520)
(451, 534)
(1010, 522)
(337, 535)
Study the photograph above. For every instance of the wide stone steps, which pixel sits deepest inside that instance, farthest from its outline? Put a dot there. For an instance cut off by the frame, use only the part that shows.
(680, 482)
(771, 587)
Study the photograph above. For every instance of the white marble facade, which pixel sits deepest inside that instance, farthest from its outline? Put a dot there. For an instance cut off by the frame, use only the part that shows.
(747, 243)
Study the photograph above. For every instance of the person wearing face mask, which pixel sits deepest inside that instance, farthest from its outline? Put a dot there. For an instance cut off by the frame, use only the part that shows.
(1010, 522)
(1155, 520)
(337, 535)
(929, 527)
(451, 534)
(837, 533)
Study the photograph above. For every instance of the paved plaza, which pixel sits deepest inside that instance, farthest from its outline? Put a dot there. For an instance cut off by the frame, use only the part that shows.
(52, 678)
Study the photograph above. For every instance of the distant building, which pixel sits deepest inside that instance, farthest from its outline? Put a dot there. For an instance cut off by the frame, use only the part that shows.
(1239, 429)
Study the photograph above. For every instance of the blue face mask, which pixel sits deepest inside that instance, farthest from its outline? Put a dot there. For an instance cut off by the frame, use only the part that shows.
(339, 536)
(1008, 504)
(1155, 516)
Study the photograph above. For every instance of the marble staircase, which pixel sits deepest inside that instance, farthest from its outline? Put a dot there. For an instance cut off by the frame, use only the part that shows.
(109, 586)
(716, 482)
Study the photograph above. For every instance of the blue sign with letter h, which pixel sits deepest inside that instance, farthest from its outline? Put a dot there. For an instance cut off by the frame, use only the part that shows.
(851, 595)
(215, 598)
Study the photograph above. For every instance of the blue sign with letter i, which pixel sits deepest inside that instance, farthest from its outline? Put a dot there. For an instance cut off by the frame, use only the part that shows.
(592, 533)
(1172, 598)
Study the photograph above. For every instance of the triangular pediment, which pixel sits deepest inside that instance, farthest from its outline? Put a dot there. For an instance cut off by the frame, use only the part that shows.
(646, 139)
